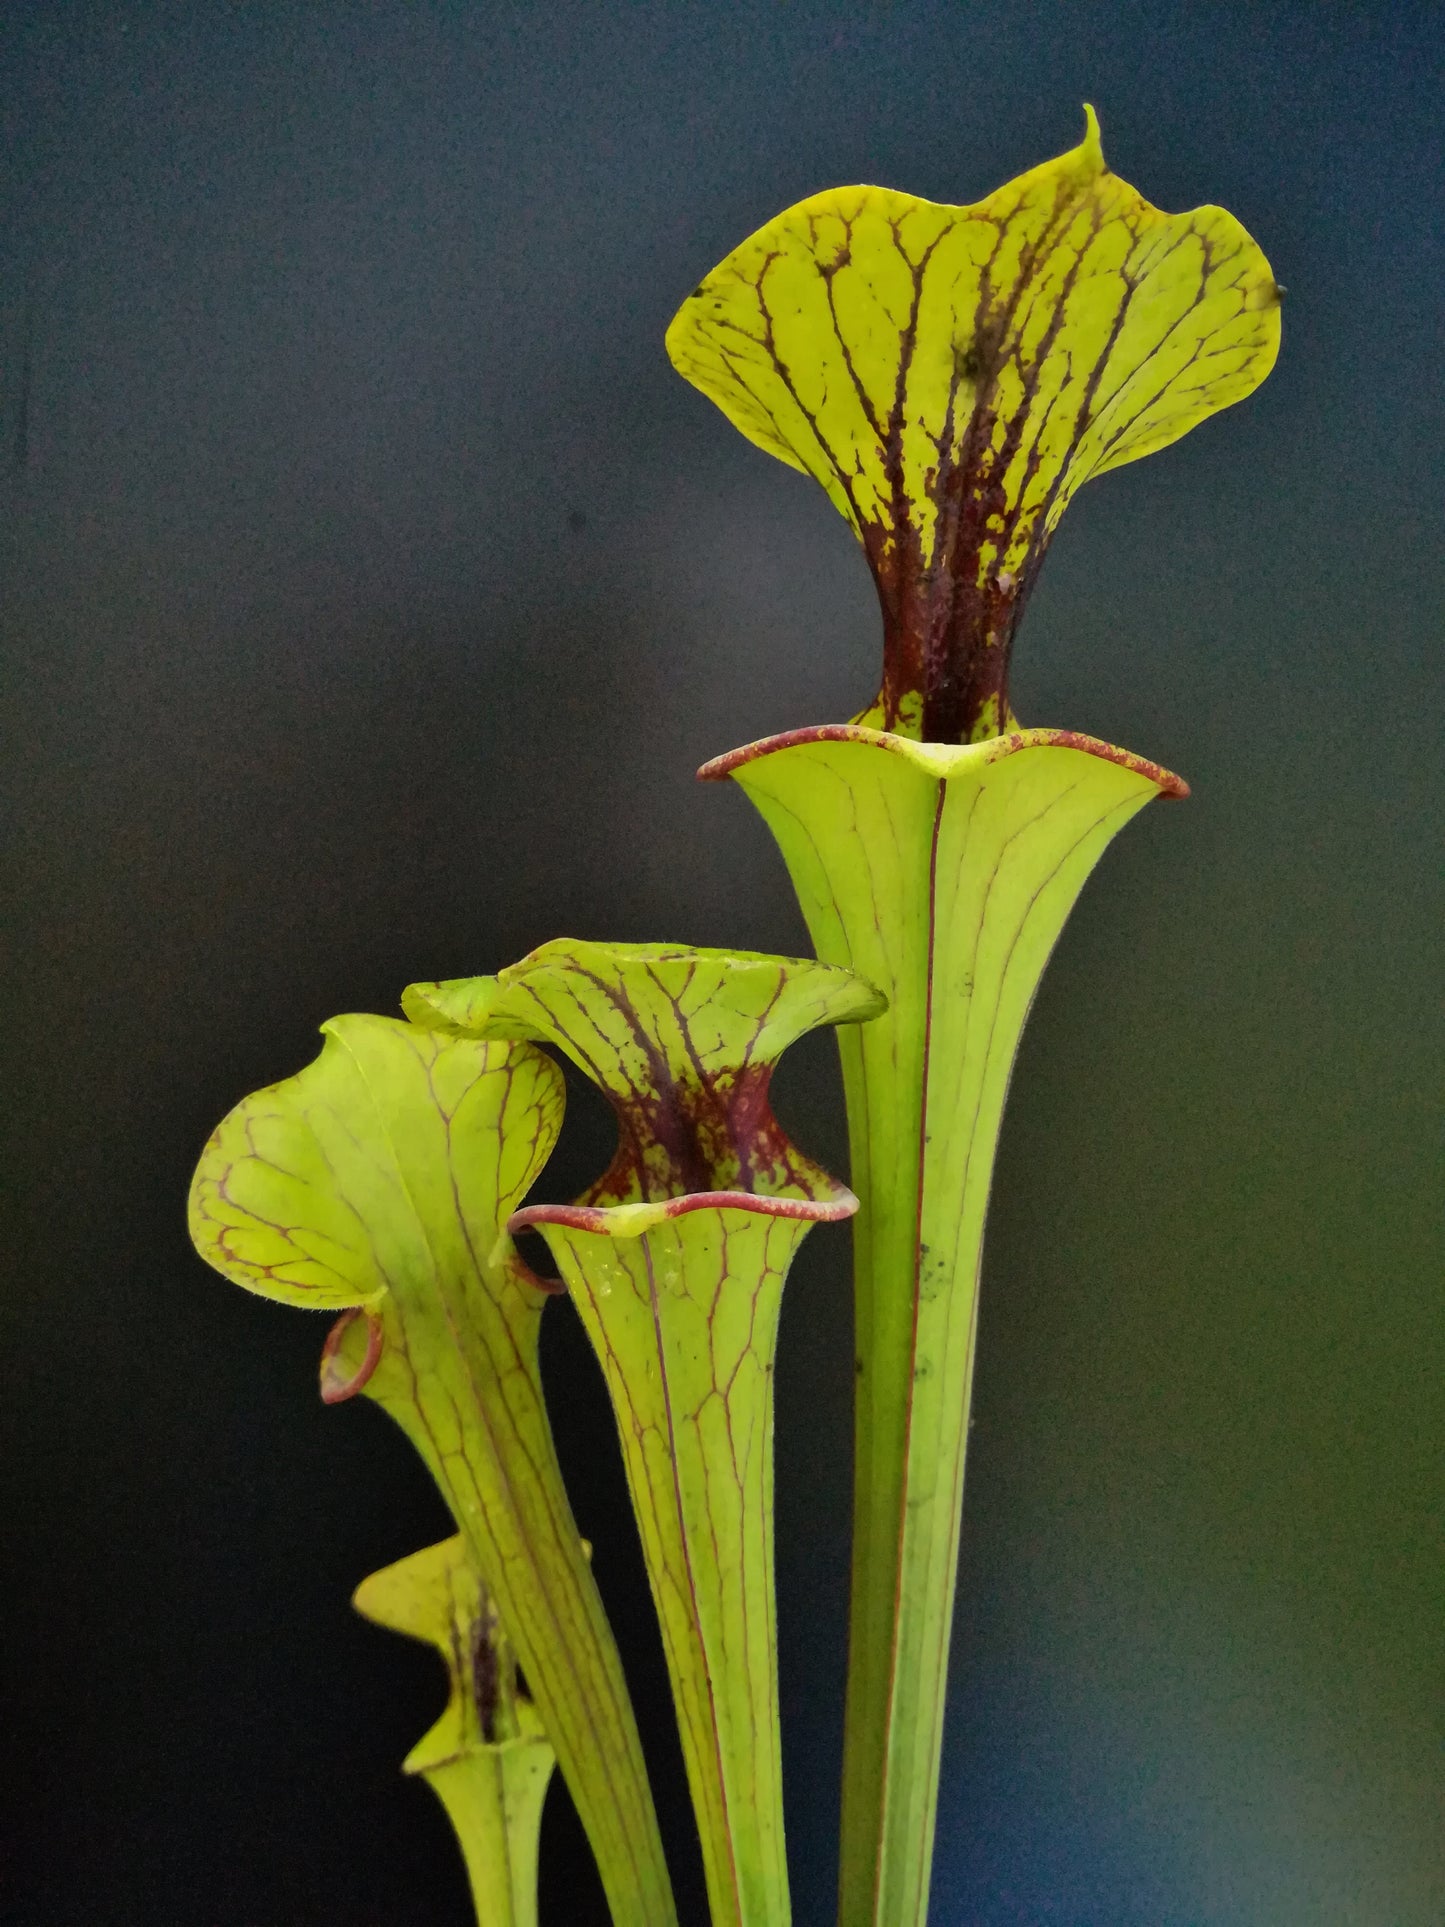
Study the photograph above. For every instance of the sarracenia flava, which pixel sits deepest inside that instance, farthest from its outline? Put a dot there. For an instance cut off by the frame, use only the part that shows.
(487, 1758)
(950, 375)
(676, 1259)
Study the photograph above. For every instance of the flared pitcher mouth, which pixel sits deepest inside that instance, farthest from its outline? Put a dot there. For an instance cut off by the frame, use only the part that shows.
(946, 759)
(634, 1220)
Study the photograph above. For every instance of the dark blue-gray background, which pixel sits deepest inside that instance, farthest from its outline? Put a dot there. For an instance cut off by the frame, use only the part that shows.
(371, 589)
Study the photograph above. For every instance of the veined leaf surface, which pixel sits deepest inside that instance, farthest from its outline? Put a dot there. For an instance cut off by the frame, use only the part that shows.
(951, 375)
(379, 1180)
(945, 874)
(676, 1259)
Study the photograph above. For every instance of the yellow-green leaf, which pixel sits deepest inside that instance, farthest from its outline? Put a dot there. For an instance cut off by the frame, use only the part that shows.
(487, 1758)
(682, 1043)
(952, 374)
(676, 1261)
(381, 1177)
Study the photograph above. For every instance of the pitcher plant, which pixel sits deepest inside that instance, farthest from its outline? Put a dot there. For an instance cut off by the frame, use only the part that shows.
(950, 375)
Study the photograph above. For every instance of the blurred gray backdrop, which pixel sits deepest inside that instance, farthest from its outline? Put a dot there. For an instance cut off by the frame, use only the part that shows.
(370, 588)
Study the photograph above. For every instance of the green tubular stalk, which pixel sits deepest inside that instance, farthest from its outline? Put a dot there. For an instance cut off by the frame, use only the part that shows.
(487, 1759)
(682, 1311)
(378, 1183)
(944, 876)
(676, 1260)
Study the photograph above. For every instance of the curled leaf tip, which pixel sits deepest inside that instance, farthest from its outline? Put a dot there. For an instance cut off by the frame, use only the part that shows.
(338, 1383)
(299, 1195)
(951, 375)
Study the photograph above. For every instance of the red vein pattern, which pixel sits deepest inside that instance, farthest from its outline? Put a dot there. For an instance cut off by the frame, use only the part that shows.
(951, 375)
(944, 874)
(682, 1043)
(381, 1177)
(676, 1259)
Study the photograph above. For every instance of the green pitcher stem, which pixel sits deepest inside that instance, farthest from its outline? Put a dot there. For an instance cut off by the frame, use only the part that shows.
(943, 875)
(681, 1304)
(494, 1802)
